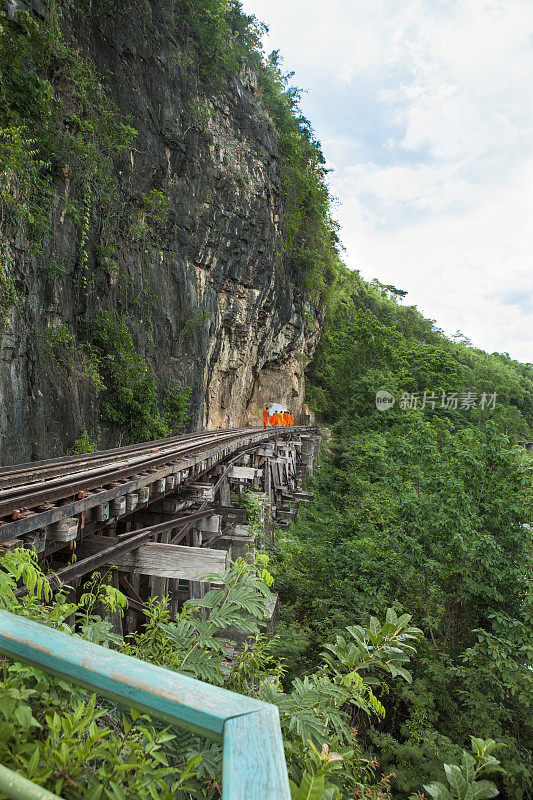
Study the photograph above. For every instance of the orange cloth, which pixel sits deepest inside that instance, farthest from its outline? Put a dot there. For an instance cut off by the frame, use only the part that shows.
(265, 417)
(291, 419)
(274, 419)
(285, 418)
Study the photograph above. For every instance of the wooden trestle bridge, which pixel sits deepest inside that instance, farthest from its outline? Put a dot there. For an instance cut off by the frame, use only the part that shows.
(159, 515)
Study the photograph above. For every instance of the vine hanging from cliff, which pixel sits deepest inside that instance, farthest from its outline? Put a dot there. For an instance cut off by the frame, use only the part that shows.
(51, 153)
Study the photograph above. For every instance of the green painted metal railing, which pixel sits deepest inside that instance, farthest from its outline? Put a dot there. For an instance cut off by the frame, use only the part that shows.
(253, 759)
(17, 787)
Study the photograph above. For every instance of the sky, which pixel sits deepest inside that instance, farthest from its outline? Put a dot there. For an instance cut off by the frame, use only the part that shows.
(424, 109)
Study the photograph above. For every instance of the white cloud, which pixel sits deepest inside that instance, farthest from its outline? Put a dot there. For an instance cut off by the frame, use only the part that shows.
(418, 188)
(471, 272)
(425, 110)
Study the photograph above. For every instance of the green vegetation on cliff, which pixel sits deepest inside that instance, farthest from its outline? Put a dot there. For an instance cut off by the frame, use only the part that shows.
(54, 151)
(131, 400)
(66, 163)
(310, 240)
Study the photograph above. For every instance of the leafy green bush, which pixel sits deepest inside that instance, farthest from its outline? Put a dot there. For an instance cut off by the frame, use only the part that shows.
(61, 347)
(131, 401)
(58, 735)
(85, 443)
(225, 36)
(151, 213)
(253, 508)
(176, 407)
(199, 113)
(463, 780)
(78, 746)
(197, 645)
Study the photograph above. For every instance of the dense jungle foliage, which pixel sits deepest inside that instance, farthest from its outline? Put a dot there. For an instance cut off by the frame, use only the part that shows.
(425, 506)
(81, 746)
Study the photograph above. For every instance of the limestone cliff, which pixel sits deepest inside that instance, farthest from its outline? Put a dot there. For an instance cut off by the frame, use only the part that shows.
(209, 300)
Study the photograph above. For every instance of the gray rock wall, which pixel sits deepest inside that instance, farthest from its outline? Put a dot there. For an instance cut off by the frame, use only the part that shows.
(210, 303)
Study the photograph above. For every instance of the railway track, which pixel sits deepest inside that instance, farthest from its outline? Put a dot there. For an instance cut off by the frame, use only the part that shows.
(41, 493)
(29, 486)
(39, 471)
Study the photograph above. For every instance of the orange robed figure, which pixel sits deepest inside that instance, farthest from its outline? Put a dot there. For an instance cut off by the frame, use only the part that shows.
(274, 419)
(265, 418)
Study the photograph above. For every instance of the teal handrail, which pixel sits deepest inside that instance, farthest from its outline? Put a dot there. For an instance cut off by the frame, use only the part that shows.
(16, 787)
(253, 759)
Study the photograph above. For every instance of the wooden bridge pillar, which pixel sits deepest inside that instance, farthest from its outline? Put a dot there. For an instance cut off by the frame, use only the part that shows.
(307, 465)
(159, 585)
(131, 617)
(224, 494)
(196, 589)
(237, 543)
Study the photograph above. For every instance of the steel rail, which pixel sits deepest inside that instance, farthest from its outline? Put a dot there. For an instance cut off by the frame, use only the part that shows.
(102, 469)
(67, 485)
(123, 449)
(9, 475)
(36, 470)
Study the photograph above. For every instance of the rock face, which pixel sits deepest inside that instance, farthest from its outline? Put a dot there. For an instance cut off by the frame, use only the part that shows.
(210, 303)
